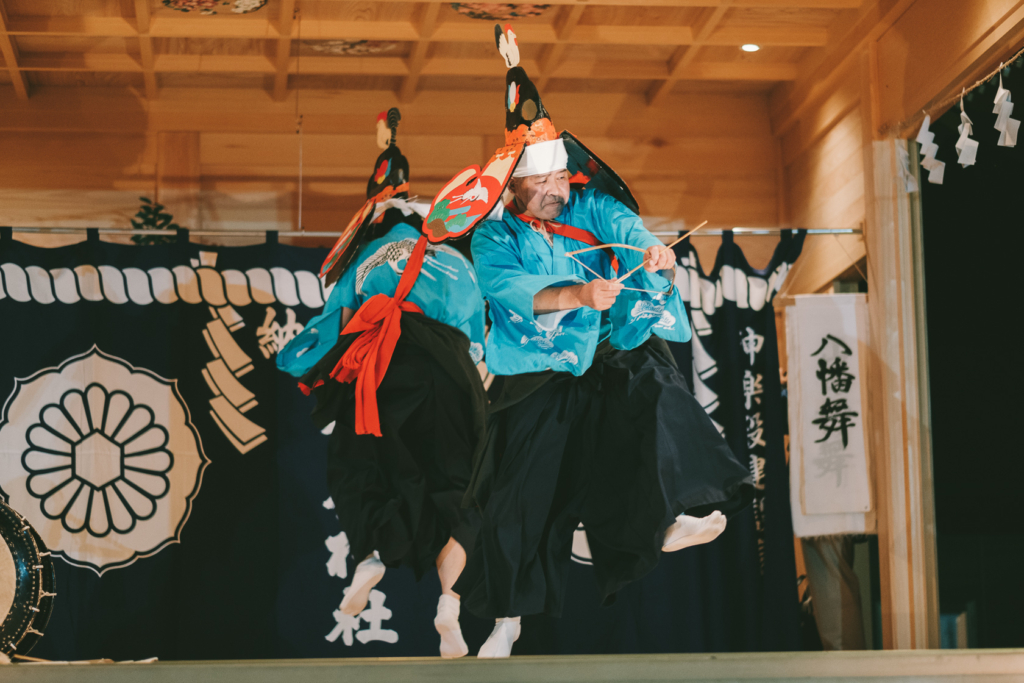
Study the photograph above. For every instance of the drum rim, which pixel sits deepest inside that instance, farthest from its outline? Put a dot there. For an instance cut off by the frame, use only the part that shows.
(35, 584)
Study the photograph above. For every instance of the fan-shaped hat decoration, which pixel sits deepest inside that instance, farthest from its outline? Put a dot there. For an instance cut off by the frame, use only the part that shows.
(389, 180)
(532, 147)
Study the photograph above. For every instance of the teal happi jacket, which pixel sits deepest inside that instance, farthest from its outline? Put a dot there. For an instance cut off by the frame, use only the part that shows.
(514, 262)
(446, 290)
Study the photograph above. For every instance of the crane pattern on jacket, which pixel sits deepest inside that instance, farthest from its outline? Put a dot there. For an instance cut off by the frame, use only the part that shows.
(394, 253)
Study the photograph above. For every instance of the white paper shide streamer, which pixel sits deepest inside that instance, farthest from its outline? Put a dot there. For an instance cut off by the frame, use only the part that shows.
(1006, 126)
(965, 146)
(903, 156)
(936, 169)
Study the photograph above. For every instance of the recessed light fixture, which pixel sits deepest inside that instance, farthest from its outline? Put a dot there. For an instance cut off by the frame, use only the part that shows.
(750, 47)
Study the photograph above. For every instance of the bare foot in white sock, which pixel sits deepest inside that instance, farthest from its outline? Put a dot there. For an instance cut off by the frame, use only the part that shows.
(499, 643)
(447, 624)
(689, 531)
(368, 574)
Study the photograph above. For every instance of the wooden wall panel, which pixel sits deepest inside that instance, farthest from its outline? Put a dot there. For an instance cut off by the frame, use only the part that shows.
(826, 183)
(825, 187)
(700, 158)
(56, 161)
(935, 46)
(75, 208)
(353, 112)
(178, 176)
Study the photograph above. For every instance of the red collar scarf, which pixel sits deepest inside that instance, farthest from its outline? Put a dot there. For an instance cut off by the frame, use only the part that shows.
(366, 360)
(556, 228)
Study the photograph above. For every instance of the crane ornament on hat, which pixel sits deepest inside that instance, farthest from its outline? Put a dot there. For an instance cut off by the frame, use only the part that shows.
(388, 186)
(532, 147)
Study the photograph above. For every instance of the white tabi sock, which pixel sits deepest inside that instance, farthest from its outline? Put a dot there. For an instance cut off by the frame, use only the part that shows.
(499, 643)
(689, 531)
(447, 624)
(368, 574)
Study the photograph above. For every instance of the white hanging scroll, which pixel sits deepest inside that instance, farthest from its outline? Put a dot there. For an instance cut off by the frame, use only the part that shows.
(826, 339)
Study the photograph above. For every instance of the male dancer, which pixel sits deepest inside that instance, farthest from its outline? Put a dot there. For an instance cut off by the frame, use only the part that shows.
(401, 386)
(595, 423)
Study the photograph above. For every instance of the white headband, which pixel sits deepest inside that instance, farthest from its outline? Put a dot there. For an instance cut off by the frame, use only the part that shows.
(542, 157)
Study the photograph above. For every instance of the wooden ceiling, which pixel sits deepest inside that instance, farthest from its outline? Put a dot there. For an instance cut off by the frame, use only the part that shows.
(652, 47)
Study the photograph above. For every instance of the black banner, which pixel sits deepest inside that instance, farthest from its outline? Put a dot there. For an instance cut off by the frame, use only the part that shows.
(177, 477)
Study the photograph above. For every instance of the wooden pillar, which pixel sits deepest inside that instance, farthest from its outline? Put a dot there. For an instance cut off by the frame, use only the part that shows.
(898, 417)
(178, 177)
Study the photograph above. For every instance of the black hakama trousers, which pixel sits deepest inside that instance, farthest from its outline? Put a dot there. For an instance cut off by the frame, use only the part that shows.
(401, 493)
(624, 449)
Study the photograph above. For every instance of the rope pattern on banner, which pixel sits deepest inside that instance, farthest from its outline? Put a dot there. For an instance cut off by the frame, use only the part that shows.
(161, 285)
(705, 295)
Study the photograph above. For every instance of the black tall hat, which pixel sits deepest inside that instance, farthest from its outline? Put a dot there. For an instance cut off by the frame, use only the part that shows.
(391, 172)
(532, 147)
(524, 100)
(523, 106)
(390, 179)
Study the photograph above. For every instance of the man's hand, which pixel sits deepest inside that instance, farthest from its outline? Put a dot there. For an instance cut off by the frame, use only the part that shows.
(659, 258)
(599, 294)
(596, 294)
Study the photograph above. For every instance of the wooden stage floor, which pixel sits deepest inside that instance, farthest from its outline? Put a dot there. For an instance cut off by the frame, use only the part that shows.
(947, 666)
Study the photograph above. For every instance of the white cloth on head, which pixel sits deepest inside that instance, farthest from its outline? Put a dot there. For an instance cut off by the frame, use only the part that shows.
(542, 157)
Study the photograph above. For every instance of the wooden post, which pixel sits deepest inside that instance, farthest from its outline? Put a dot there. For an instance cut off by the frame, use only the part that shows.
(898, 410)
(178, 177)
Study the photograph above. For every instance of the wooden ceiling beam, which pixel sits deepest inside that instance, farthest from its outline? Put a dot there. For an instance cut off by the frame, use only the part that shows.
(117, 27)
(769, 36)
(768, 4)
(738, 71)
(124, 63)
(394, 66)
(142, 18)
(10, 52)
(425, 29)
(565, 25)
(405, 31)
(684, 56)
(60, 61)
(284, 48)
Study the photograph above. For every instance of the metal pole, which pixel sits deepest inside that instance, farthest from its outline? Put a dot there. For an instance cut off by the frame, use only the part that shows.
(762, 231)
(315, 233)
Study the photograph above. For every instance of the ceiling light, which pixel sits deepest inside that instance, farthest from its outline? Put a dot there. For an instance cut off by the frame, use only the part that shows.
(750, 47)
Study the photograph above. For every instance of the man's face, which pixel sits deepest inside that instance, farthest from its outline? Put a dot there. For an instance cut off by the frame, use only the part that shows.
(542, 196)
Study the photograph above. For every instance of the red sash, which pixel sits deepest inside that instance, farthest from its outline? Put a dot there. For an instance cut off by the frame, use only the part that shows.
(556, 228)
(366, 360)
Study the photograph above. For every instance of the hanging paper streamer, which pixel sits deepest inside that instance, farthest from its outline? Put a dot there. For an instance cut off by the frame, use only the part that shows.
(1006, 126)
(903, 156)
(936, 169)
(965, 146)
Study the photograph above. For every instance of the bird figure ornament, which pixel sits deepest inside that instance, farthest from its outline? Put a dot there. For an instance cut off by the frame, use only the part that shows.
(508, 48)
